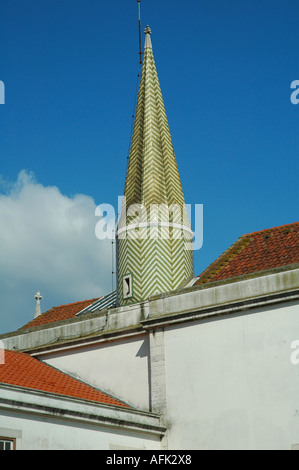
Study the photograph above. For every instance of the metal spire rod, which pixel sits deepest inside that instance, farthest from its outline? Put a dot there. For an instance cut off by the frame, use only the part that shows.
(139, 23)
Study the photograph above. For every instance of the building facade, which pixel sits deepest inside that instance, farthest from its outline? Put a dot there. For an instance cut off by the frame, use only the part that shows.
(169, 361)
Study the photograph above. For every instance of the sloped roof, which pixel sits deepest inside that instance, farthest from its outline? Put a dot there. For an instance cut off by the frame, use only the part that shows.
(63, 312)
(107, 301)
(22, 370)
(255, 252)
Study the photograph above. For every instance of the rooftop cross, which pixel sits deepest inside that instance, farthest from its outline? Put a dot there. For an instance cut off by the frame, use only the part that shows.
(148, 42)
(38, 298)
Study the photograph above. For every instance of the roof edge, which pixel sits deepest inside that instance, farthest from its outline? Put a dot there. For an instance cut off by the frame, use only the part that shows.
(285, 226)
(55, 405)
(243, 277)
(128, 328)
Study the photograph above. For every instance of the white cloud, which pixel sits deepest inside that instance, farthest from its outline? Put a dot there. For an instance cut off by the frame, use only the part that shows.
(47, 243)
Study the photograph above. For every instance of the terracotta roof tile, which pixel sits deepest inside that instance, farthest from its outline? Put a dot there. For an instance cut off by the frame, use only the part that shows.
(254, 252)
(24, 370)
(63, 312)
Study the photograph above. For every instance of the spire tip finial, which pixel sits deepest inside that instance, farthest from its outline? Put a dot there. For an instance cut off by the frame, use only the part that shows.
(148, 42)
(38, 298)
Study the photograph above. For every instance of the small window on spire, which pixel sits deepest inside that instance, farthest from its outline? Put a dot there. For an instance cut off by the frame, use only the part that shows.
(128, 286)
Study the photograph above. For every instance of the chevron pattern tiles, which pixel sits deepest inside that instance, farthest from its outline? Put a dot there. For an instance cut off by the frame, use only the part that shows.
(155, 256)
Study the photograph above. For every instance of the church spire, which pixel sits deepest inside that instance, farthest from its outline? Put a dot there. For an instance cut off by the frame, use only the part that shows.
(156, 257)
(152, 176)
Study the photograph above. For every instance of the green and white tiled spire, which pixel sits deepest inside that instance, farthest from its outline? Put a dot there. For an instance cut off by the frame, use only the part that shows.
(156, 257)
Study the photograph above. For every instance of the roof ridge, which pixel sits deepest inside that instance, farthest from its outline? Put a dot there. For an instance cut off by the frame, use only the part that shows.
(60, 312)
(75, 303)
(269, 229)
(256, 252)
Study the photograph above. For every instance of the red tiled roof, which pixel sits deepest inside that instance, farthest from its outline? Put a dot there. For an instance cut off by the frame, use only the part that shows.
(24, 370)
(63, 312)
(254, 252)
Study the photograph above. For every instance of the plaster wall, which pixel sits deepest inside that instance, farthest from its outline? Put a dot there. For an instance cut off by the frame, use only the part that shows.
(230, 383)
(36, 433)
(118, 367)
(40, 421)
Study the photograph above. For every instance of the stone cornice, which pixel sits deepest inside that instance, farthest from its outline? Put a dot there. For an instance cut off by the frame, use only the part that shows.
(193, 304)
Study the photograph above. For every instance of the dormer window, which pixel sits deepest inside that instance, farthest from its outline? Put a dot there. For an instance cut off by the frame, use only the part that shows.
(127, 286)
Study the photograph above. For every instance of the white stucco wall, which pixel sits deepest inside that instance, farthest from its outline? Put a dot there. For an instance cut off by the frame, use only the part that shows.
(230, 383)
(48, 434)
(37, 433)
(118, 367)
(215, 360)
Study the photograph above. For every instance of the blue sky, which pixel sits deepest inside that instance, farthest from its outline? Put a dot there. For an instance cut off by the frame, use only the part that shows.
(70, 71)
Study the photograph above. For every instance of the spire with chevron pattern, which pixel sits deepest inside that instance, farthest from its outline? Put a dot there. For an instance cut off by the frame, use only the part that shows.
(156, 257)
